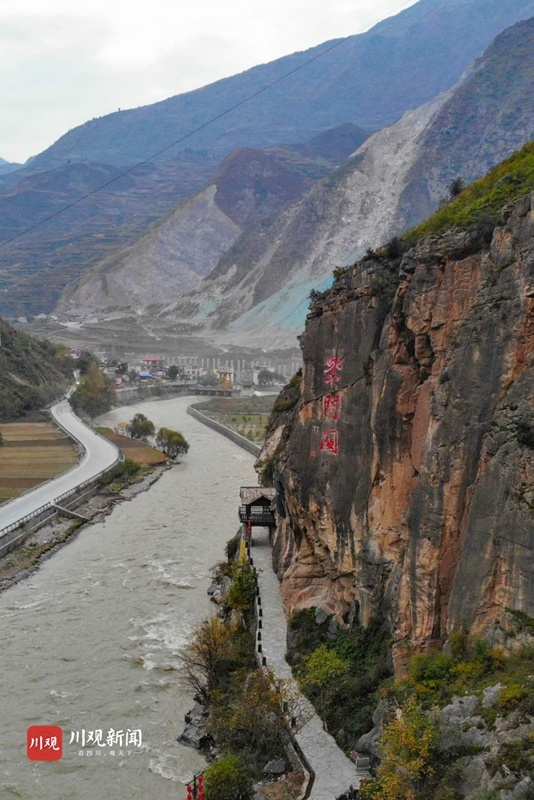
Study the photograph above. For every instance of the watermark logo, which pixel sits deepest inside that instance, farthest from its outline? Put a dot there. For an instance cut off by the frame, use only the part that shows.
(110, 743)
(44, 742)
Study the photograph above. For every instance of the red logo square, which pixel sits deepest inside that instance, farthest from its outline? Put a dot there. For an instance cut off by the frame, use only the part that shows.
(44, 742)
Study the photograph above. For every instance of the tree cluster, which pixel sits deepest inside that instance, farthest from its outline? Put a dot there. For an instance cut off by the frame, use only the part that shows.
(267, 378)
(141, 428)
(95, 393)
(171, 443)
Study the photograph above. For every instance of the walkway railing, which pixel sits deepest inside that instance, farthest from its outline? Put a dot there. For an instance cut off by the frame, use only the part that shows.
(262, 661)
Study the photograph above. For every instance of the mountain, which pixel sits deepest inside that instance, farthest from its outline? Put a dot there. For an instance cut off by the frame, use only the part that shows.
(369, 80)
(36, 268)
(32, 372)
(260, 287)
(176, 253)
(8, 166)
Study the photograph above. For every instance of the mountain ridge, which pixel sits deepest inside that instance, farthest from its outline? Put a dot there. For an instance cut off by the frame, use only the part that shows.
(376, 195)
(371, 78)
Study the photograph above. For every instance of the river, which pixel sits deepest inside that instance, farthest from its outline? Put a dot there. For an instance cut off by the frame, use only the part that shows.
(91, 641)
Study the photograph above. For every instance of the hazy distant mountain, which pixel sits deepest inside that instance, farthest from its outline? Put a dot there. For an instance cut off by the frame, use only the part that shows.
(395, 179)
(369, 80)
(8, 166)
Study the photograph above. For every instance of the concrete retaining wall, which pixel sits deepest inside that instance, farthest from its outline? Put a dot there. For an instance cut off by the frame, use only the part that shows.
(136, 394)
(243, 442)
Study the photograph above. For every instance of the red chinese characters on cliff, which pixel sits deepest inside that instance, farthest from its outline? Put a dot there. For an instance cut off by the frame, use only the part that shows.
(330, 442)
(332, 370)
(331, 406)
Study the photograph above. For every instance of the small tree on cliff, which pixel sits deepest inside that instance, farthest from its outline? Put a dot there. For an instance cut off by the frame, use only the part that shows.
(141, 427)
(409, 753)
(172, 443)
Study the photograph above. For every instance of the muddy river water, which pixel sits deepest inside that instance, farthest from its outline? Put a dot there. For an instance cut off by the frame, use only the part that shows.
(91, 641)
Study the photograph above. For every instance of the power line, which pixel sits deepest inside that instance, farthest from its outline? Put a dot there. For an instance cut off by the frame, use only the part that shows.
(178, 141)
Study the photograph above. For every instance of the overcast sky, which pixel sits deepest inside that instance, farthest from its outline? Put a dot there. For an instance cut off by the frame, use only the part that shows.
(63, 62)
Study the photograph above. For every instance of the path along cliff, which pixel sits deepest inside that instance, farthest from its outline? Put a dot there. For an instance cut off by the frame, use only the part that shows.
(403, 456)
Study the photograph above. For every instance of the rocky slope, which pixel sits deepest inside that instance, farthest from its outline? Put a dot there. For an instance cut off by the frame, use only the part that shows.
(403, 460)
(260, 286)
(171, 258)
(174, 255)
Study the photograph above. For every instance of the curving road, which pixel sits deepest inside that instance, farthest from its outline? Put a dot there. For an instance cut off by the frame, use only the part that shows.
(99, 454)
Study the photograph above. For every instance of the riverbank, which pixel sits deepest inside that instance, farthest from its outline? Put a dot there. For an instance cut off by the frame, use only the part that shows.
(51, 537)
(93, 637)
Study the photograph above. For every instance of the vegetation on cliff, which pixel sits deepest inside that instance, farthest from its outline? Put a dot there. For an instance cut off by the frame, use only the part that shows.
(474, 704)
(482, 202)
(340, 670)
(33, 373)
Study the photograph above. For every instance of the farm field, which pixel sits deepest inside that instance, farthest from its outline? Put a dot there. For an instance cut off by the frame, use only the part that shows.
(247, 416)
(33, 452)
(137, 451)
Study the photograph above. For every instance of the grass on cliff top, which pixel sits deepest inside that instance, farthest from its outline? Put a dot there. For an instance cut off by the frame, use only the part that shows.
(484, 199)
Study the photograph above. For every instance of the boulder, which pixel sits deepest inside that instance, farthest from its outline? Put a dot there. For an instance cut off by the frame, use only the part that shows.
(277, 767)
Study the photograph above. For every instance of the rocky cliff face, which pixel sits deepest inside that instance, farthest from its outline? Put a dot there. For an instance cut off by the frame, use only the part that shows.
(404, 463)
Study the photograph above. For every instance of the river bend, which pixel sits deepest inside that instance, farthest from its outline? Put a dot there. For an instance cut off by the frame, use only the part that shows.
(91, 640)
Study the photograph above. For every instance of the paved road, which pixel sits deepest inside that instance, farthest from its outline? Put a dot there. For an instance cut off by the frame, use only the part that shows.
(99, 454)
(333, 770)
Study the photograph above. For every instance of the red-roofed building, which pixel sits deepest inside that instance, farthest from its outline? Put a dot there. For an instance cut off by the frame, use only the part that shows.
(152, 362)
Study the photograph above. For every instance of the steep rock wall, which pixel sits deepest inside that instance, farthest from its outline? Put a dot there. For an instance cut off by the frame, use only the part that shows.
(405, 468)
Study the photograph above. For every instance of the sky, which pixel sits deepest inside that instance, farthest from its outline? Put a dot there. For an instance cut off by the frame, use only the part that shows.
(63, 62)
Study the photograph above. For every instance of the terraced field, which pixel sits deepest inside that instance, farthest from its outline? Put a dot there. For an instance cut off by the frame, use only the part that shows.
(33, 452)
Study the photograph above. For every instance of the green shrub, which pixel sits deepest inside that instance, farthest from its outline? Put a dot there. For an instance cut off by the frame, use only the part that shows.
(323, 667)
(525, 621)
(341, 678)
(228, 779)
(232, 548)
(120, 472)
(240, 595)
(281, 405)
(517, 756)
(249, 719)
(409, 757)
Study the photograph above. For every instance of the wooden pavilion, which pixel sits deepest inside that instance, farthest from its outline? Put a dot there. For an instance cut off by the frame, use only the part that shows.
(257, 506)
